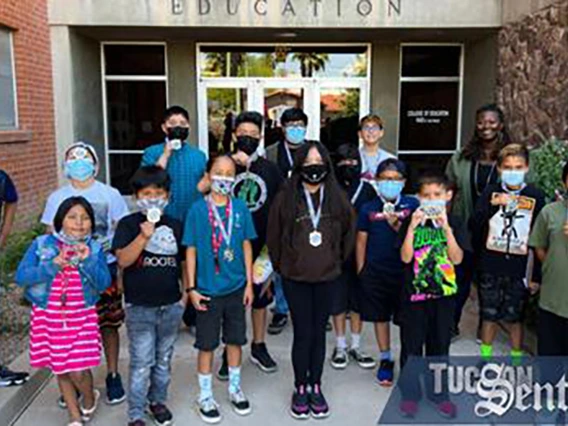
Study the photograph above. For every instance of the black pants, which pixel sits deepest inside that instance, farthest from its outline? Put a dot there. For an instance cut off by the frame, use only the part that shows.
(552, 333)
(310, 305)
(465, 274)
(424, 324)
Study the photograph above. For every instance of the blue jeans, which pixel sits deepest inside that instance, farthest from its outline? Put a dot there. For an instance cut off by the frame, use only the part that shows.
(281, 305)
(152, 333)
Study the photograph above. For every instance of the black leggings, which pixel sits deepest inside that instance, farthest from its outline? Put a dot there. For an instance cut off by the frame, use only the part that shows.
(310, 305)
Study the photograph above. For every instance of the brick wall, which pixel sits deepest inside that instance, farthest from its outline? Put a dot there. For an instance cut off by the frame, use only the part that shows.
(30, 159)
(533, 74)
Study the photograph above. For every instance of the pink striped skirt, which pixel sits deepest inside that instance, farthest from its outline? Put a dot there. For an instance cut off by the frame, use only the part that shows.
(65, 337)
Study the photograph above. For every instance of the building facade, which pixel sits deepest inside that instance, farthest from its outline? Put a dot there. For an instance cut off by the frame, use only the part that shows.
(27, 131)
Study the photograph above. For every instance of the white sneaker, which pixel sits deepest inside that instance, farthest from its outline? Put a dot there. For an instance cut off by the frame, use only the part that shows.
(240, 403)
(339, 359)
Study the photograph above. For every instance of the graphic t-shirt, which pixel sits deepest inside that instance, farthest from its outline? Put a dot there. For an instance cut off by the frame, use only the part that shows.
(501, 232)
(154, 279)
(431, 274)
(8, 192)
(382, 253)
(257, 187)
(548, 234)
(107, 203)
(231, 274)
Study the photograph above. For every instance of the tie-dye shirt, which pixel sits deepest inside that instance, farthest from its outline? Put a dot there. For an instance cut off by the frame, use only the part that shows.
(431, 274)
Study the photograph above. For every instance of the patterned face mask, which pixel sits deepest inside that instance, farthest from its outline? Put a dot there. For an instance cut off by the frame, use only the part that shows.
(222, 185)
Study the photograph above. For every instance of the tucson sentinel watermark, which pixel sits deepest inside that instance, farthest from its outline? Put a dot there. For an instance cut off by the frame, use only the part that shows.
(501, 387)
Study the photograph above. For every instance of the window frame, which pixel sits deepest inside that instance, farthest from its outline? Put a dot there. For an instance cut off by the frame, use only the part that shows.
(16, 126)
(126, 78)
(456, 79)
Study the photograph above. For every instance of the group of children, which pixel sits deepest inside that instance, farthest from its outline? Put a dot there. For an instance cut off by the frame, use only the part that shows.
(341, 236)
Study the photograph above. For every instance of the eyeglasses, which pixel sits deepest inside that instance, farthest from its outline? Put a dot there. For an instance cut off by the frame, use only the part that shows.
(372, 128)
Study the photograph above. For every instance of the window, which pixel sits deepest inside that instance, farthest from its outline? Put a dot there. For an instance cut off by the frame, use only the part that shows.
(8, 116)
(430, 108)
(135, 95)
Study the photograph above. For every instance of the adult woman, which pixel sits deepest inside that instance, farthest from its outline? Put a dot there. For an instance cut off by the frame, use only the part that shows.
(471, 170)
(311, 232)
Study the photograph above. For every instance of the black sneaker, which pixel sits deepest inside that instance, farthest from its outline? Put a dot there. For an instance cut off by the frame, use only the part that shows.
(362, 359)
(138, 422)
(318, 405)
(12, 378)
(278, 323)
(300, 407)
(223, 372)
(339, 359)
(240, 403)
(209, 411)
(114, 389)
(160, 414)
(385, 373)
(261, 358)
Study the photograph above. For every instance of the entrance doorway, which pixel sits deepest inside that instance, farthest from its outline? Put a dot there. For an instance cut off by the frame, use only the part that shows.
(333, 102)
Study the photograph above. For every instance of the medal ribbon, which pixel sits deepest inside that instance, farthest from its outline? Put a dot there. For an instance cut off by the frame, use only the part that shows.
(357, 192)
(289, 155)
(216, 222)
(314, 216)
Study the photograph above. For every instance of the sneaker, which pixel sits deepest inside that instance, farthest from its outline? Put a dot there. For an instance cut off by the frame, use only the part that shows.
(160, 414)
(12, 378)
(300, 407)
(223, 372)
(240, 403)
(88, 413)
(362, 359)
(279, 321)
(138, 422)
(261, 358)
(385, 373)
(446, 409)
(318, 405)
(209, 410)
(114, 389)
(408, 409)
(339, 359)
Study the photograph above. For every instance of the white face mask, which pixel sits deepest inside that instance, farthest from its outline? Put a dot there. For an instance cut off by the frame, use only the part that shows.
(222, 185)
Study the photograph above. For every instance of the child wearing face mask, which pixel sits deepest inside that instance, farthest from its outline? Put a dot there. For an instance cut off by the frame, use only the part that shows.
(346, 296)
(501, 225)
(371, 131)
(311, 233)
(218, 233)
(380, 269)
(184, 163)
(431, 246)
(63, 275)
(81, 166)
(148, 248)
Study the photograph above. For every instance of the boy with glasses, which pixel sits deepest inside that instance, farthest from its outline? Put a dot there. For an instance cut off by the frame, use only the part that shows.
(371, 131)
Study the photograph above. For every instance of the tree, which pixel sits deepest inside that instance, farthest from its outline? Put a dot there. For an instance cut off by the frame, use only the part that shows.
(311, 62)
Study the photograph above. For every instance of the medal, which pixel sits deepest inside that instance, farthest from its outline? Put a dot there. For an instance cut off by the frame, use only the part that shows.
(315, 236)
(175, 144)
(388, 208)
(229, 255)
(153, 215)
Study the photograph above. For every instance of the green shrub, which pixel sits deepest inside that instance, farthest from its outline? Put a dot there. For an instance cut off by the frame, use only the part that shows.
(547, 163)
(16, 246)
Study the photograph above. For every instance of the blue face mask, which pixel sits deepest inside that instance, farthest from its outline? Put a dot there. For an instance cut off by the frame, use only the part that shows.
(513, 178)
(296, 134)
(79, 169)
(390, 189)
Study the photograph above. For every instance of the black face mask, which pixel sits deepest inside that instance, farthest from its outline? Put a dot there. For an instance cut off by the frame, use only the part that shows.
(247, 144)
(314, 173)
(178, 132)
(348, 173)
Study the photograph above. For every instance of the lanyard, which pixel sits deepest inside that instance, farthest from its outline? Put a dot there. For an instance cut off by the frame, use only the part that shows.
(314, 216)
(357, 192)
(516, 192)
(289, 155)
(215, 220)
(475, 178)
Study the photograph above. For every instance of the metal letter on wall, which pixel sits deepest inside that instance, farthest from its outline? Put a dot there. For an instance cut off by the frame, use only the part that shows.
(177, 7)
(260, 7)
(204, 7)
(395, 6)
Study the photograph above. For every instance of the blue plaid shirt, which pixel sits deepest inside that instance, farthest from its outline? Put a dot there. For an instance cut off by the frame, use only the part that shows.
(185, 167)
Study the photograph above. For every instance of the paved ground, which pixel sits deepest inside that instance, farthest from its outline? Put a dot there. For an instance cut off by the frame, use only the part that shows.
(354, 396)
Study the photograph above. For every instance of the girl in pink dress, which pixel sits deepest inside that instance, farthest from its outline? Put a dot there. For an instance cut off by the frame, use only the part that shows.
(63, 275)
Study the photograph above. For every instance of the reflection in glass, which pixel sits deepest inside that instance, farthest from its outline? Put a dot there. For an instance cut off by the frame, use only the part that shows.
(135, 60)
(135, 111)
(122, 168)
(284, 61)
(276, 101)
(339, 114)
(7, 95)
(223, 106)
(431, 61)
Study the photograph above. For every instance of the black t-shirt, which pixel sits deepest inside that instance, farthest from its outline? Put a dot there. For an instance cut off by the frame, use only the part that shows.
(360, 192)
(436, 274)
(486, 175)
(257, 187)
(154, 279)
(8, 192)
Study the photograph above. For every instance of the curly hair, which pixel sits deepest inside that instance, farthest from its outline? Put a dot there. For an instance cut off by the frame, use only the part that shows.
(472, 150)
